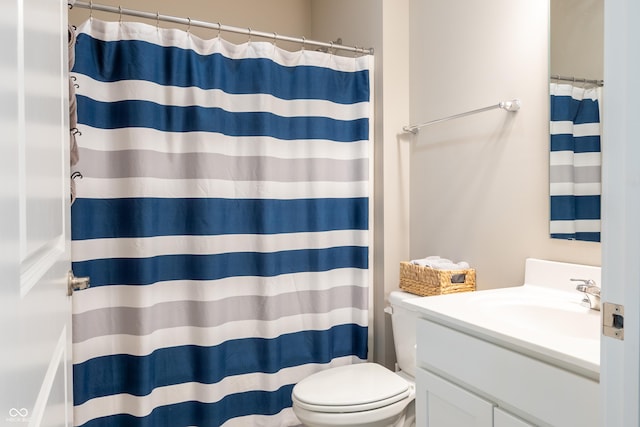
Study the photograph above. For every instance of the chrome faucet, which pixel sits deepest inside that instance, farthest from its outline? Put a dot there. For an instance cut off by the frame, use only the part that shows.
(591, 292)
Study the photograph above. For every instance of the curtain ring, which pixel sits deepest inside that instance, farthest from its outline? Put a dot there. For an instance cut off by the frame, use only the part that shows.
(157, 20)
(275, 38)
(189, 27)
(76, 174)
(249, 41)
(219, 29)
(90, 9)
(120, 10)
(331, 48)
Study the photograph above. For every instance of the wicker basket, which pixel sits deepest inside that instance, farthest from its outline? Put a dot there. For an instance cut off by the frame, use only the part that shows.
(428, 281)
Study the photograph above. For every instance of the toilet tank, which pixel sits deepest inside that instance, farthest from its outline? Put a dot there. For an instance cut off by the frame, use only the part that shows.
(403, 322)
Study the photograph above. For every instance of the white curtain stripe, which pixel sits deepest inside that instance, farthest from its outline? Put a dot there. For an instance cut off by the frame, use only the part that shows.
(575, 159)
(114, 188)
(216, 143)
(574, 226)
(211, 245)
(216, 98)
(585, 189)
(102, 297)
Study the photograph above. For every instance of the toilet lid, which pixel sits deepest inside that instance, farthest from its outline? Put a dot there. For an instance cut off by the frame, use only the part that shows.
(350, 388)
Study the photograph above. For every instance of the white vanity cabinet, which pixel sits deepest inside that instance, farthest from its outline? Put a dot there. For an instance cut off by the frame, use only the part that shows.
(465, 380)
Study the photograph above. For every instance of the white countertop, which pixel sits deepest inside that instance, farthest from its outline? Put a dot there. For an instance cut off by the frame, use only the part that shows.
(546, 322)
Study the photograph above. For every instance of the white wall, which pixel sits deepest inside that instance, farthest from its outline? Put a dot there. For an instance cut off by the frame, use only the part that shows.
(479, 185)
(383, 26)
(288, 17)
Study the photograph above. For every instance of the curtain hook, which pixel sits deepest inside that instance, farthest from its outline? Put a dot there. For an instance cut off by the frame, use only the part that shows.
(189, 27)
(120, 10)
(304, 40)
(275, 38)
(219, 29)
(249, 41)
(90, 9)
(331, 48)
(157, 21)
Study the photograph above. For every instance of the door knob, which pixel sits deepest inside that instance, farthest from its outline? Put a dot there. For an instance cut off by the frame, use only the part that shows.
(76, 283)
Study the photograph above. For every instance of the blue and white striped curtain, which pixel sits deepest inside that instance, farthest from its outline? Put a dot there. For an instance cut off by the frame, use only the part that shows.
(575, 168)
(223, 217)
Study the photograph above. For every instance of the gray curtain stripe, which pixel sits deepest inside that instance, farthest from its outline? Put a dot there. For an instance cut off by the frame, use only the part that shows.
(152, 164)
(579, 175)
(143, 321)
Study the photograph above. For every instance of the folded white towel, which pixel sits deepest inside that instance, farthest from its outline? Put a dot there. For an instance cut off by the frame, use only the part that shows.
(425, 262)
(435, 261)
(448, 266)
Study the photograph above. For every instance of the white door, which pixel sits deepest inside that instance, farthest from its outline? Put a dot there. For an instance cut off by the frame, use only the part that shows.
(35, 312)
(620, 361)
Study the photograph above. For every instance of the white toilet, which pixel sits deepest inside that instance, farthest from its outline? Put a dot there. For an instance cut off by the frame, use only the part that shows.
(365, 394)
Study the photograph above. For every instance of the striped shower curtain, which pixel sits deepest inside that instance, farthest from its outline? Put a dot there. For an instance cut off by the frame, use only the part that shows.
(575, 168)
(223, 217)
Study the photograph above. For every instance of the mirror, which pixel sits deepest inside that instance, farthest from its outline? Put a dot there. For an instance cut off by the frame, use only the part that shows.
(576, 80)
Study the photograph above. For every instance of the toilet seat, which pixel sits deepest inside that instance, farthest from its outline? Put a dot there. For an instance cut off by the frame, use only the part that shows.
(352, 388)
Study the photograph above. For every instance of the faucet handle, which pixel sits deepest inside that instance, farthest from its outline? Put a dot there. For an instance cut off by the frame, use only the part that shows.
(587, 282)
(591, 292)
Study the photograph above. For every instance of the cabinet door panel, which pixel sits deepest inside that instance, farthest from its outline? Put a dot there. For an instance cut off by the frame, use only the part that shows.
(440, 403)
(505, 419)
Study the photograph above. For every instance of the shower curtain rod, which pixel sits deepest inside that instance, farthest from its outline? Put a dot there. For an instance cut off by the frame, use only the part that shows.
(577, 80)
(216, 26)
(513, 105)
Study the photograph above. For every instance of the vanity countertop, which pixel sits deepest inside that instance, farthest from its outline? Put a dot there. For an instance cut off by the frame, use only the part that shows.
(547, 322)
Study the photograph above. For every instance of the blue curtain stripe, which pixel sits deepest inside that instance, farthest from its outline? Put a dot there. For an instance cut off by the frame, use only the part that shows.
(139, 375)
(148, 62)
(146, 271)
(126, 114)
(581, 144)
(567, 108)
(190, 413)
(575, 207)
(148, 217)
